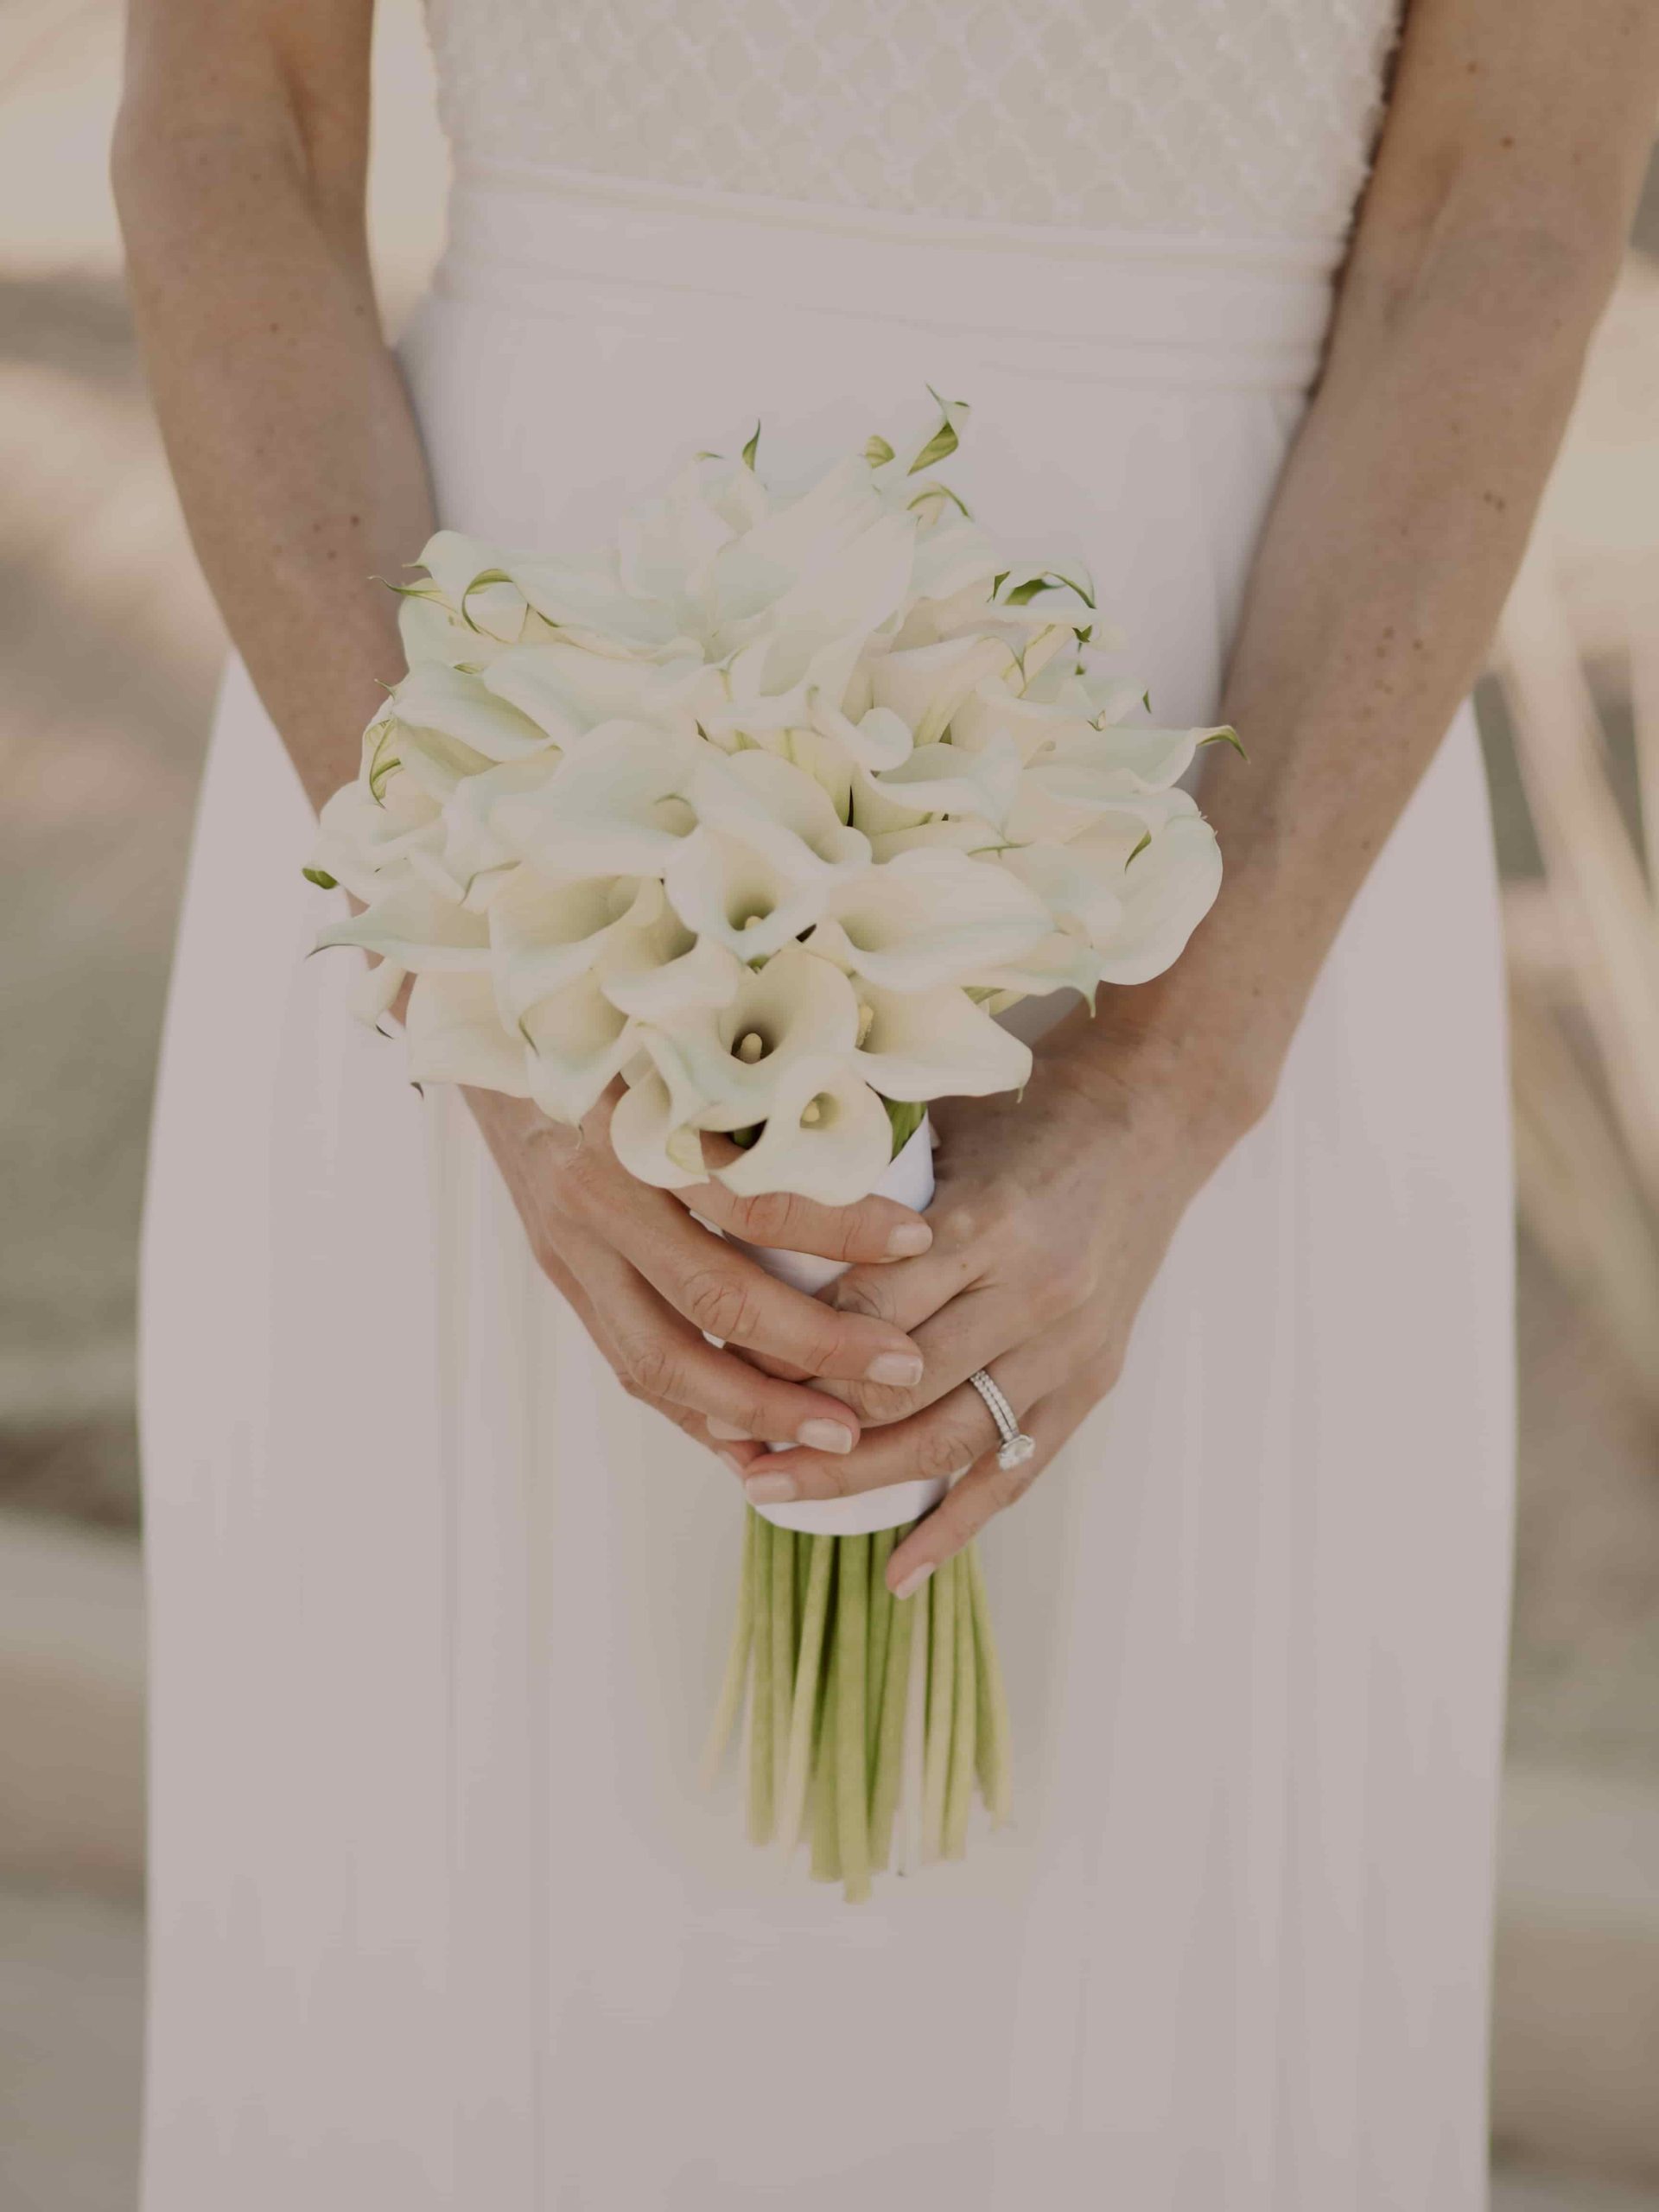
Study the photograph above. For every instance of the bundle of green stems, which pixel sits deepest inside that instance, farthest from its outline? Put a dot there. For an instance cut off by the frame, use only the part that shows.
(870, 1718)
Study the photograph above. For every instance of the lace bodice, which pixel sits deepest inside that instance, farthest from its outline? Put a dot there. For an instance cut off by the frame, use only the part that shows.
(1233, 118)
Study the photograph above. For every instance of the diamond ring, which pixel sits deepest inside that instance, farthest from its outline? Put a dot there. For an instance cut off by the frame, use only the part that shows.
(1016, 1447)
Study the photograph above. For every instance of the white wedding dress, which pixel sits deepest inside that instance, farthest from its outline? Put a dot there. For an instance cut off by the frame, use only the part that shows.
(440, 1919)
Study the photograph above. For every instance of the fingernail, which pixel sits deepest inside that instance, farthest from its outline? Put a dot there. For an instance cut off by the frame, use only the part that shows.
(724, 1430)
(731, 1459)
(908, 1239)
(901, 1369)
(913, 1582)
(770, 1490)
(824, 1436)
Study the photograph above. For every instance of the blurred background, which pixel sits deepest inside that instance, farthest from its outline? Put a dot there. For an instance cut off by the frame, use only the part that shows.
(110, 651)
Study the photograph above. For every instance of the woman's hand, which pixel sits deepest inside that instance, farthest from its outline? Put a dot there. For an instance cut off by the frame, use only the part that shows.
(1052, 1214)
(647, 1280)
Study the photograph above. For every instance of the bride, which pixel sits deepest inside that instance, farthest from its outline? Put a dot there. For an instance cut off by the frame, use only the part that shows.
(1283, 306)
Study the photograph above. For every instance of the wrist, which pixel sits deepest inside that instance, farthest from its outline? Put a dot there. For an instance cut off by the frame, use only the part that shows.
(1210, 1072)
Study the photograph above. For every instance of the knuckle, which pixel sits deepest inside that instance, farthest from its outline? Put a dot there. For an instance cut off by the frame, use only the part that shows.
(718, 1303)
(650, 1369)
(862, 1295)
(880, 1403)
(582, 1174)
(1067, 1281)
(942, 1448)
(775, 1218)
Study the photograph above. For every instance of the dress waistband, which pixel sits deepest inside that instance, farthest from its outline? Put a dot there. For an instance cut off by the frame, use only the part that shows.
(1235, 314)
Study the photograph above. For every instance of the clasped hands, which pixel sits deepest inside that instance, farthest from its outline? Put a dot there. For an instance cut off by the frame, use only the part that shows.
(1052, 1215)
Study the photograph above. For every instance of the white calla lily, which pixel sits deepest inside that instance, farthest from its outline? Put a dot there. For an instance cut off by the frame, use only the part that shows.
(731, 1059)
(778, 810)
(568, 692)
(616, 806)
(725, 891)
(938, 1043)
(461, 705)
(361, 839)
(938, 779)
(415, 925)
(454, 1035)
(878, 739)
(373, 995)
(432, 631)
(931, 916)
(826, 1136)
(664, 970)
(1058, 962)
(476, 856)
(649, 1139)
(924, 686)
(1165, 888)
(543, 935)
(579, 1042)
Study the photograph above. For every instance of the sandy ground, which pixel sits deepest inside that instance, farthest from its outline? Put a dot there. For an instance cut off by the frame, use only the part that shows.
(111, 650)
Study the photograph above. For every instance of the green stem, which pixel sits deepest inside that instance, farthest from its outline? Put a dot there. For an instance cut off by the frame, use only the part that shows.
(826, 1848)
(881, 1545)
(959, 1794)
(809, 1671)
(890, 1733)
(760, 1744)
(782, 1650)
(995, 1736)
(737, 1663)
(912, 1787)
(851, 1784)
(941, 1702)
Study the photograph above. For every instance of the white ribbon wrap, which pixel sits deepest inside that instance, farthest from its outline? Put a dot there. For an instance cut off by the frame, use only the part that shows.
(909, 1180)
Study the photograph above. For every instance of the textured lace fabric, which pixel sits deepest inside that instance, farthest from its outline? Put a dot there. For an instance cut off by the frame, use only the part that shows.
(1226, 118)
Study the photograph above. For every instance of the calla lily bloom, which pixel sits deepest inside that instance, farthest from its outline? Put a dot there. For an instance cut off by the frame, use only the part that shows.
(935, 1044)
(616, 806)
(421, 930)
(454, 1035)
(578, 1043)
(827, 1135)
(930, 917)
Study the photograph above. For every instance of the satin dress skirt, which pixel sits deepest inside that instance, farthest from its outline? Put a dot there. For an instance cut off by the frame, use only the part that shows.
(439, 1917)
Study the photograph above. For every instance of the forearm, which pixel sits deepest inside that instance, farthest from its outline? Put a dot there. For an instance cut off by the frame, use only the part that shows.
(1387, 555)
(284, 415)
(1485, 255)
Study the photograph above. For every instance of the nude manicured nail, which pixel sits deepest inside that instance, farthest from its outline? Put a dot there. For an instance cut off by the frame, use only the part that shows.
(908, 1239)
(724, 1430)
(731, 1459)
(912, 1583)
(824, 1436)
(770, 1490)
(903, 1369)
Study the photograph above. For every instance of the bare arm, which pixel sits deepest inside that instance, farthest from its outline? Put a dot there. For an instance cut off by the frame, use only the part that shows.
(1515, 146)
(1491, 238)
(238, 166)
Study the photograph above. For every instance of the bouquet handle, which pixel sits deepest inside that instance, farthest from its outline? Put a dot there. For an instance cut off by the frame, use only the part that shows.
(909, 1179)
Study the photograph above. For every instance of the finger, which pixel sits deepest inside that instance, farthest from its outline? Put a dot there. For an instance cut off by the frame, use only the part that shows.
(727, 1295)
(875, 1230)
(659, 1357)
(986, 1490)
(976, 1328)
(943, 1441)
(905, 1292)
(737, 1454)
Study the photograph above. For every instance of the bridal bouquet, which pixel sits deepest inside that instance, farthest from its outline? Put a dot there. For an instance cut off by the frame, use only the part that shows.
(768, 809)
